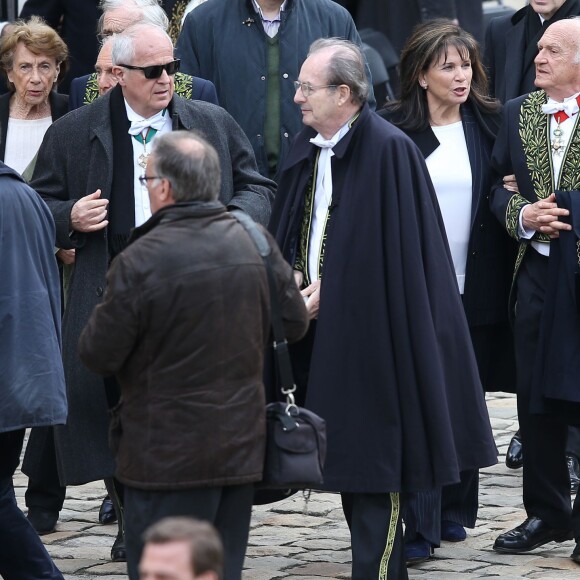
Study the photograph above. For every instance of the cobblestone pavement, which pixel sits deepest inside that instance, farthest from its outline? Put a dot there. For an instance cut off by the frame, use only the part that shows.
(288, 542)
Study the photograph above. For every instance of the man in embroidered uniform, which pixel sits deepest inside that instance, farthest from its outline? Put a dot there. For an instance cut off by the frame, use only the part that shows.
(88, 172)
(117, 16)
(540, 142)
(358, 219)
(510, 49)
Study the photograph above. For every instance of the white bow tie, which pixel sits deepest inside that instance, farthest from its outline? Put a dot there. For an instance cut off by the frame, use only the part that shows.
(569, 106)
(156, 122)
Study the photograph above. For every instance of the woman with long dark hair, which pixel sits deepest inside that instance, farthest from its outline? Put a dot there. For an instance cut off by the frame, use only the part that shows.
(445, 110)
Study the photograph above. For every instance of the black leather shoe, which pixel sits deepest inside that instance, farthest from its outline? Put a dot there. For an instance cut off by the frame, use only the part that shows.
(118, 552)
(574, 471)
(43, 521)
(514, 458)
(576, 553)
(532, 534)
(107, 513)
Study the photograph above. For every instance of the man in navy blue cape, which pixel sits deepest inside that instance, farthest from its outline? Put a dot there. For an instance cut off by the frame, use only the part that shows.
(388, 361)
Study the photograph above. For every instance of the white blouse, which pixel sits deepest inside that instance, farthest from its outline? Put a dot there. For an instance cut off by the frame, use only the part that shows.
(450, 172)
(23, 139)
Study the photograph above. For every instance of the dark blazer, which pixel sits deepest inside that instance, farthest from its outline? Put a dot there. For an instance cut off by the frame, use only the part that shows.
(201, 90)
(58, 107)
(78, 30)
(491, 252)
(505, 56)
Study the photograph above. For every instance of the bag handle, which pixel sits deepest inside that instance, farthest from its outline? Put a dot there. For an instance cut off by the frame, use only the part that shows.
(280, 344)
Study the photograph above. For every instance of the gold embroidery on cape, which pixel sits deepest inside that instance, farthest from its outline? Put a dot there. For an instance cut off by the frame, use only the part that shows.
(301, 263)
(395, 509)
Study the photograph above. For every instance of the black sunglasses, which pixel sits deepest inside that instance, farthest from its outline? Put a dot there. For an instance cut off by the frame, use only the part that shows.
(155, 70)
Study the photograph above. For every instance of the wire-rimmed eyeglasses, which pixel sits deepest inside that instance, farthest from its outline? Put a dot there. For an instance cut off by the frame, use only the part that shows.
(307, 89)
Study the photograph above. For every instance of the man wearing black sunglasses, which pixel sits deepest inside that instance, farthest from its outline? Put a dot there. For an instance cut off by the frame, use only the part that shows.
(87, 171)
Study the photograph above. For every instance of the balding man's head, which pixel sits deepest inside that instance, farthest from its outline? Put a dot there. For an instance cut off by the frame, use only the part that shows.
(558, 60)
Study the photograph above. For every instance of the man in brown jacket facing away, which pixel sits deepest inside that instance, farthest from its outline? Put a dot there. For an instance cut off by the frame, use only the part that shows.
(183, 326)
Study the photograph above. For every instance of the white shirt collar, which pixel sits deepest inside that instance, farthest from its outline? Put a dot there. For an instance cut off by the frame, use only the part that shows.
(258, 9)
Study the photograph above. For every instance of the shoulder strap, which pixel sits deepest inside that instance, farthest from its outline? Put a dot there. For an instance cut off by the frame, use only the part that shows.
(280, 343)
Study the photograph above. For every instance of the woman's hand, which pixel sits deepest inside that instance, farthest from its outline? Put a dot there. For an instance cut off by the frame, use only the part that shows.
(510, 183)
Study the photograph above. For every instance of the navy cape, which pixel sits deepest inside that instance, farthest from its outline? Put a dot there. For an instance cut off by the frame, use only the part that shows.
(392, 368)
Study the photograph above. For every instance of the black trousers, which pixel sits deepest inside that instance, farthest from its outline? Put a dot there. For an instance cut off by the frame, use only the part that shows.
(424, 511)
(376, 532)
(45, 491)
(22, 553)
(228, 508)
(546, 487)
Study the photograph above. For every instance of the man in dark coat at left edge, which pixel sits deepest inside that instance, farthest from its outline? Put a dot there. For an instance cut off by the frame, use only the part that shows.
(387, 361)
(32, 388)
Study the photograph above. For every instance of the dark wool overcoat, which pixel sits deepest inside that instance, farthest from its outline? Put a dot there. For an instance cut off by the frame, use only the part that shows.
(392, 369)
(75, 159)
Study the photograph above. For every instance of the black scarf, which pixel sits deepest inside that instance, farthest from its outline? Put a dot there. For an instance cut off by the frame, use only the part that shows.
(122, 199)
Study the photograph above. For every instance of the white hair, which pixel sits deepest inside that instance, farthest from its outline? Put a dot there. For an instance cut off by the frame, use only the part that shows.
(124, 43)
(150, 12)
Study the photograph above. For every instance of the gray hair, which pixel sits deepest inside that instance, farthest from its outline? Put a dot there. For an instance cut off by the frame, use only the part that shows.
(123, 51)
(190, 164)
(150, 12)
(345, 67)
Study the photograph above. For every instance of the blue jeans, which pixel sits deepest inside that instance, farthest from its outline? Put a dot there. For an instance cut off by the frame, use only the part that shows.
(22, 553)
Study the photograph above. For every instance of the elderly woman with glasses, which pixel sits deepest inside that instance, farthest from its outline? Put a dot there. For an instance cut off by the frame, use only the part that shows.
(34, 58)
(444, 109)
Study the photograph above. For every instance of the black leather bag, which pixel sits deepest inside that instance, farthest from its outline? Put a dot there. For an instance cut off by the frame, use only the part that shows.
(295, 437)
(295, 447)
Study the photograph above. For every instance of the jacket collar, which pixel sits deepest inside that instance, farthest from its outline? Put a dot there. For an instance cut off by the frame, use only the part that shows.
(303, 149)
(176, 212)
(519, 15)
